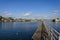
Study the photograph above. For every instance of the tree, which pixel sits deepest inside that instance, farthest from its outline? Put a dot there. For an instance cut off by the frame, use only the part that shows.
(0, 17)
(53, 20)
(58, 18)
(10, 19)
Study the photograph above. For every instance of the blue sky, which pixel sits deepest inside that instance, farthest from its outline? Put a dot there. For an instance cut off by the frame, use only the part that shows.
(30, 8)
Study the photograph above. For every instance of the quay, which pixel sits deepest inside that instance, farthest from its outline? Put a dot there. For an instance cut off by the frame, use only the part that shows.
(45, 32)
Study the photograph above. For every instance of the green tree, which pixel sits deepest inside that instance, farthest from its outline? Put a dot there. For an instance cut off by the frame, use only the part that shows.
(58, 18)
(0, 17)
(10, 18)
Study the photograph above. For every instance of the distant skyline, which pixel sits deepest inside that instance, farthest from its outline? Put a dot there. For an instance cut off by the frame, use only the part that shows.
(30, 8)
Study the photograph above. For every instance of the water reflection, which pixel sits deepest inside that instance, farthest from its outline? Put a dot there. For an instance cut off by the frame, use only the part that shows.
(7, 25)
(17, 30)
(0, 25)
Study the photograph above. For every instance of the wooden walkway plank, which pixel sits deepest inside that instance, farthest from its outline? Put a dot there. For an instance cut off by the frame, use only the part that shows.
(41, 33)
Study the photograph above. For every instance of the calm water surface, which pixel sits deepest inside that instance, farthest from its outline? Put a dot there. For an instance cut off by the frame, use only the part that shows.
(22, 30)
(17, 30)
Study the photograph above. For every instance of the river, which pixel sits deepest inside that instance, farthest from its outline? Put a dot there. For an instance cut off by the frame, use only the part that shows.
(22, 30)
(17, 30)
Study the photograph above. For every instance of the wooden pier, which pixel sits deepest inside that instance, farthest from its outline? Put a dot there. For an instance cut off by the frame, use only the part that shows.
(45, 32)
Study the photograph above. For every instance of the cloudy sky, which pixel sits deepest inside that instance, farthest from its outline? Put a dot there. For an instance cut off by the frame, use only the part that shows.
(30, 8)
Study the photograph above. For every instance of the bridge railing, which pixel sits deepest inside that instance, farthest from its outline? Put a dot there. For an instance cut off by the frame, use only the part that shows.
(45, 32)
(53, 33)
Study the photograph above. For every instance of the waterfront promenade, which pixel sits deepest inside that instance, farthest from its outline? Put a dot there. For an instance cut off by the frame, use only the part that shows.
(45, 32)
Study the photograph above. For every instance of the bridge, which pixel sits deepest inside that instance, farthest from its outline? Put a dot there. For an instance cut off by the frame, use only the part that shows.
(45, 32)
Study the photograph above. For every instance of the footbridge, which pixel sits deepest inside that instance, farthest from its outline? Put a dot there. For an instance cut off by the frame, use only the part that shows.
(45, 32)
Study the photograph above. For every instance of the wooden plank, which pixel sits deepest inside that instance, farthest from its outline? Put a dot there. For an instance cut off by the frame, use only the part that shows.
(41, 32)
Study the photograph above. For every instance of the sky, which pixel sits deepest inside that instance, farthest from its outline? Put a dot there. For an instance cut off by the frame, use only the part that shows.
(30, 8)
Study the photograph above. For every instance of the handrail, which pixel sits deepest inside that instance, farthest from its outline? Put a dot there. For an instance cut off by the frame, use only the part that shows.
(56, 33)
(46, 32)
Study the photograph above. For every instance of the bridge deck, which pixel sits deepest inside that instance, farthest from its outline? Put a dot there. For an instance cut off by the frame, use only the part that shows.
(44, 33)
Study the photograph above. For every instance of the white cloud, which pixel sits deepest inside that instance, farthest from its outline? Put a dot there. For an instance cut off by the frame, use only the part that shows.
(45, 16)
(27, 14)
(7, 14)
(55, 11)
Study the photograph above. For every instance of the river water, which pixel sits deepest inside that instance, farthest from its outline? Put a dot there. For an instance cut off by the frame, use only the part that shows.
(17, 30)
(22, 30)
